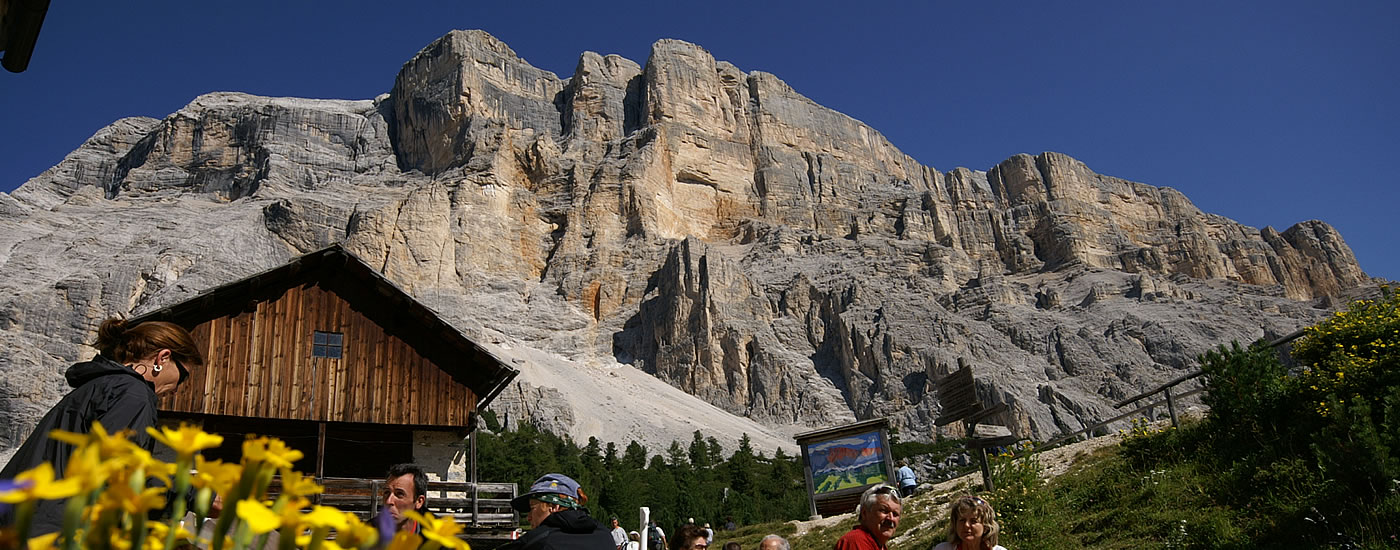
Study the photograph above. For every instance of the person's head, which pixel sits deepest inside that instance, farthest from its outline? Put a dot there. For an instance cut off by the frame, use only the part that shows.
(633, 535)
(878, 512)
(162, 353)
(549, 494)
(773, 542)
(731, 545)
(405, 488)
(614, 523)
(689, 537)
(972, 520)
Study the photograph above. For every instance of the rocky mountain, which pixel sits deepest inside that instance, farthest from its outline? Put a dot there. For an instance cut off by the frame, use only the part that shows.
(680, 221)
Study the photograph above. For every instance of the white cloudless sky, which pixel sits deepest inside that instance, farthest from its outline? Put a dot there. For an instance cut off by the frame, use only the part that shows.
(1268, 113)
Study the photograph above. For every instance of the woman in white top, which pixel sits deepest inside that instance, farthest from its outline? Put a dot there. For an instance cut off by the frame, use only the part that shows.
(972, 525)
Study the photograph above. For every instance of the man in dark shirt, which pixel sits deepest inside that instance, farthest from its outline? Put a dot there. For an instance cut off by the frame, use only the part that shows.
(558, 521)
(405, 489)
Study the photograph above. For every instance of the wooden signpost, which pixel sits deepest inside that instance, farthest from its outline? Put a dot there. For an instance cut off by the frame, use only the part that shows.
(957, 395)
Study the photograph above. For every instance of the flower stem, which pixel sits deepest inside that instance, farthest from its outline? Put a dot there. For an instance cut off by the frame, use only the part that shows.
(72, 515)
(182, 484)
(24, 517)
(318, 536)
(241, 491)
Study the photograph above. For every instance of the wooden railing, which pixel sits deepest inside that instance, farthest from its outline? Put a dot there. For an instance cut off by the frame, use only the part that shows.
(477, 505)
(1169, 400)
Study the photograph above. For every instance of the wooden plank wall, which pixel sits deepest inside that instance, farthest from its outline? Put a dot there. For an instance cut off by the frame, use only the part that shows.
(260, 365)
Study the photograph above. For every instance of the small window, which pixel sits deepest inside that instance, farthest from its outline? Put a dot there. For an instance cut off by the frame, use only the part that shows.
(327, 344)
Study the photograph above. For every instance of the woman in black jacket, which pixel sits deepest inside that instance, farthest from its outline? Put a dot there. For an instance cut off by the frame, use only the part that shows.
(117, 388)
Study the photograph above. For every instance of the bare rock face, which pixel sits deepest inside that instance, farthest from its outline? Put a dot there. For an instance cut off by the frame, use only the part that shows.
(711, 228)
(456, 100)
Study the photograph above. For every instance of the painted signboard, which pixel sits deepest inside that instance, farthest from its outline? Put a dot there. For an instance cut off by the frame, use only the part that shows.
(848, 462)
(842, 461)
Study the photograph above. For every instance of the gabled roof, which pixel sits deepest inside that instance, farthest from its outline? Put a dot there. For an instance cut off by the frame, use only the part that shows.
(367, 291)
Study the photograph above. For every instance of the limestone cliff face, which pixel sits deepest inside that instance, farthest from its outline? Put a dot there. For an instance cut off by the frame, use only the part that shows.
(714, 228)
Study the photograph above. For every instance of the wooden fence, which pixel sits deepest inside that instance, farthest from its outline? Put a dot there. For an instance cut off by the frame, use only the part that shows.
(473, 505)
(1169, 398)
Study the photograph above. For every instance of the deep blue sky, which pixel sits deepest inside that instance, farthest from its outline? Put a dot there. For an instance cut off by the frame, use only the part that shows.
(1269, 113)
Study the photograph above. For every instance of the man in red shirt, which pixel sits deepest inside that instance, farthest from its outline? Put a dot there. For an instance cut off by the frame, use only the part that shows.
(878, 516)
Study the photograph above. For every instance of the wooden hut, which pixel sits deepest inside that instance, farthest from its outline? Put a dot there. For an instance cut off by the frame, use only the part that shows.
(328, 355)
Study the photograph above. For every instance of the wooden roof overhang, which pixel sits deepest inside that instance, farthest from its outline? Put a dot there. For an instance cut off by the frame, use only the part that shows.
(20, 21)
(369, 293)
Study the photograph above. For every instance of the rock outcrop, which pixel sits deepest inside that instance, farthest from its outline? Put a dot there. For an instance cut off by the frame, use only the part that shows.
(710, 227)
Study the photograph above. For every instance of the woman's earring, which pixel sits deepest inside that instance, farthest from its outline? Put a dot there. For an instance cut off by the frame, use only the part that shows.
(155, 367)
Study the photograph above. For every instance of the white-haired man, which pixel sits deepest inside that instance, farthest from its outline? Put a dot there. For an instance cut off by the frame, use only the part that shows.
(774, 542)
(878, 517)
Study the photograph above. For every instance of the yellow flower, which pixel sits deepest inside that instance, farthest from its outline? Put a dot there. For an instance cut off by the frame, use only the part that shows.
(357, 534)
(290, 510)
(43, 542)
(440, 530)
(187, 440)
(259, 518)
(271, 451)
(143, 459)
(155, 538)
(116, 539)
(325, 516)
(110, 445)
(120, 495)
(215, 475)
(403, 540)
(305, 540)
(38, 483)
(295, 483)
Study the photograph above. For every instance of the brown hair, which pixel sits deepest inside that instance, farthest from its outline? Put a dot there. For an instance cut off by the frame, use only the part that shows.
(120, 341)
(686, 535)
(985, 514)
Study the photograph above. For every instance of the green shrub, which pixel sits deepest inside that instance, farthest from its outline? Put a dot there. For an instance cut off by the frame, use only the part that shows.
(1289, 447)
(1248, 389)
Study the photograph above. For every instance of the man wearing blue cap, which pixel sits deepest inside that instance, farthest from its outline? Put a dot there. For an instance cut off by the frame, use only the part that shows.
(558, 521)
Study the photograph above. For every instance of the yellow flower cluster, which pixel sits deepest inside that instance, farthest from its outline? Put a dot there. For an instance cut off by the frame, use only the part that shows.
(1140, 427)
(108, 498)
(1352, 352)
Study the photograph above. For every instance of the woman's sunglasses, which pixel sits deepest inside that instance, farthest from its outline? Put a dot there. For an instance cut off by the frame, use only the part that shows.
(184, 372)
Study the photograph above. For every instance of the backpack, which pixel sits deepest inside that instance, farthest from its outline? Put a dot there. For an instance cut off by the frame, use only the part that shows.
(654, 538)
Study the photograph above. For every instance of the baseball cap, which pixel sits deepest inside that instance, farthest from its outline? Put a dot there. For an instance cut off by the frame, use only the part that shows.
(552, 488)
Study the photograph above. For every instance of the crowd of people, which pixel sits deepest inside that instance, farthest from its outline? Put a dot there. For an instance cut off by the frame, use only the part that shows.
(554, 508)
(137, 363)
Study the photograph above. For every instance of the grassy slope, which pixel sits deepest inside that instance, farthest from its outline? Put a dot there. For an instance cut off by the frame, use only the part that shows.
(1107, 499)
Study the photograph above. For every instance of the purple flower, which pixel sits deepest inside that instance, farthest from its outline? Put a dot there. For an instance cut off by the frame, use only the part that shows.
(7, 485)
(385, 523)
